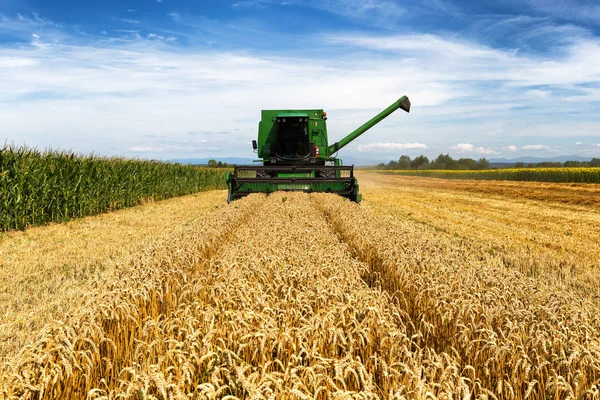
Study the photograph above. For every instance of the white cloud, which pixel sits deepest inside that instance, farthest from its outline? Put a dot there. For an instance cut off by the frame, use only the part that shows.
(461, 60)
(155, 36)
(535, 147)
(574, 9)
(596, 144)
(146, 149)
(536, 93)
(173, 147)
(17, 62)
(105, 95)
(578, 143)
(391, 146)
(468, 148)
(374, 10)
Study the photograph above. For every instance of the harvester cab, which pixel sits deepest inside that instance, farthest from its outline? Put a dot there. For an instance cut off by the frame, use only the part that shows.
(296, 155)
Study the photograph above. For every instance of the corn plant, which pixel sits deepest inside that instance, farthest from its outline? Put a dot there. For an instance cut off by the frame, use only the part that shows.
(39, 187)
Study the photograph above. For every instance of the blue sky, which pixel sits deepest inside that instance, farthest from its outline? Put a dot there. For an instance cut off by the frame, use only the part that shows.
(181, 79)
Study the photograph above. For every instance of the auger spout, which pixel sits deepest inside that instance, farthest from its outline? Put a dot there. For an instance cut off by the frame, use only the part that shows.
(402, 103)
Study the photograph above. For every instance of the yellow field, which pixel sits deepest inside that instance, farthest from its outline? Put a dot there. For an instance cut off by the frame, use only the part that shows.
(454, 291)
(561, 174)
(45, 271)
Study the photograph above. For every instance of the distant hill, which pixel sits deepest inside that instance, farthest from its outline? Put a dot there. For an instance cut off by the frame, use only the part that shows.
(204, 161)
(349, 160)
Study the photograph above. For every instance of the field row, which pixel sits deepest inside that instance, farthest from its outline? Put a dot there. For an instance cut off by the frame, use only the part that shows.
(562, 195)
(45, 271)
(41, 187)
(327, 299)
(564, 175)
(554, 236)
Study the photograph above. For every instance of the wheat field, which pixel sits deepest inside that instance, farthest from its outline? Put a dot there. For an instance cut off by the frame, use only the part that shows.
(419, 292)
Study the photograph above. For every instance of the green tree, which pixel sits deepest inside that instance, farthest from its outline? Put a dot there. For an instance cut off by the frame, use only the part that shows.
(467, 163)
(595, 162)
(393, 165)
(444, 161)
(404, 162)
(483, 163)
(212, 163)
(549, 164)
(420, 162)
(520, 164)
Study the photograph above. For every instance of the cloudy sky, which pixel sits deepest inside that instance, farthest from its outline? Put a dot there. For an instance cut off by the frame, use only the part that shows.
(181, 79)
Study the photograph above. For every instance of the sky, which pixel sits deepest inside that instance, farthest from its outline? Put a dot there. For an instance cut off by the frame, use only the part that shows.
(167, 79)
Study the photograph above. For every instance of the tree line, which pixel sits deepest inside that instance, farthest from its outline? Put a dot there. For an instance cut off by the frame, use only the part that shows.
(214, 164)
(595, 162)
(444, 161)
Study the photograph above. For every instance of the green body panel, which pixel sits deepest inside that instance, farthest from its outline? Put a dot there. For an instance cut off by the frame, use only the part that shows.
(297, 139)
(267, 130)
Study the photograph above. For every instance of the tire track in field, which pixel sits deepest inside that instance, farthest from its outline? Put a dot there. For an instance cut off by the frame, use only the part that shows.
(292, 312)
(97, 347)
(511, 335)
(46, 271)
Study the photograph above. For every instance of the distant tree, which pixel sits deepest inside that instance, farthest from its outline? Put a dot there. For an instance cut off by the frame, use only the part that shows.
(574, 164)
(404, 162)
(548, 164)
(483, 163)
(520, 164)
(467, 163)
(443, 161)
(212, 163)
(595, 162)
(420, 162)
(393, 165)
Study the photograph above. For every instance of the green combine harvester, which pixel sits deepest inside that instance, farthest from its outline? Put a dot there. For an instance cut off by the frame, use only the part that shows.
(296, 155)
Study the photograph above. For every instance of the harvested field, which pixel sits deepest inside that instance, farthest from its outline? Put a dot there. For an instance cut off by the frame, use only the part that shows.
(547, 231)
(419, 292)
(585, 194)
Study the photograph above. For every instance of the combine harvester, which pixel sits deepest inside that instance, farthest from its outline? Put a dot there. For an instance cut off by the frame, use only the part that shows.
(293, 148)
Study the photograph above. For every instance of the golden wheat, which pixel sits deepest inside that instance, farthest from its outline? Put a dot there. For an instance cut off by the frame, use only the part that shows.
(313, 297)
(44, 271)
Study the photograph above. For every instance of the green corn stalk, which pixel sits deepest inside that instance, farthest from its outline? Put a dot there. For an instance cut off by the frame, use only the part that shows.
(40, 187)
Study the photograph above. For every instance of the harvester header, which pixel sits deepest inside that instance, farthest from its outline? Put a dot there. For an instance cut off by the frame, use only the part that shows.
(293, 147)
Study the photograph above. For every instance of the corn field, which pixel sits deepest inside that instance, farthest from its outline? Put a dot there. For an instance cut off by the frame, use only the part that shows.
(564, 175)
(40, 187)
(298, 296)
